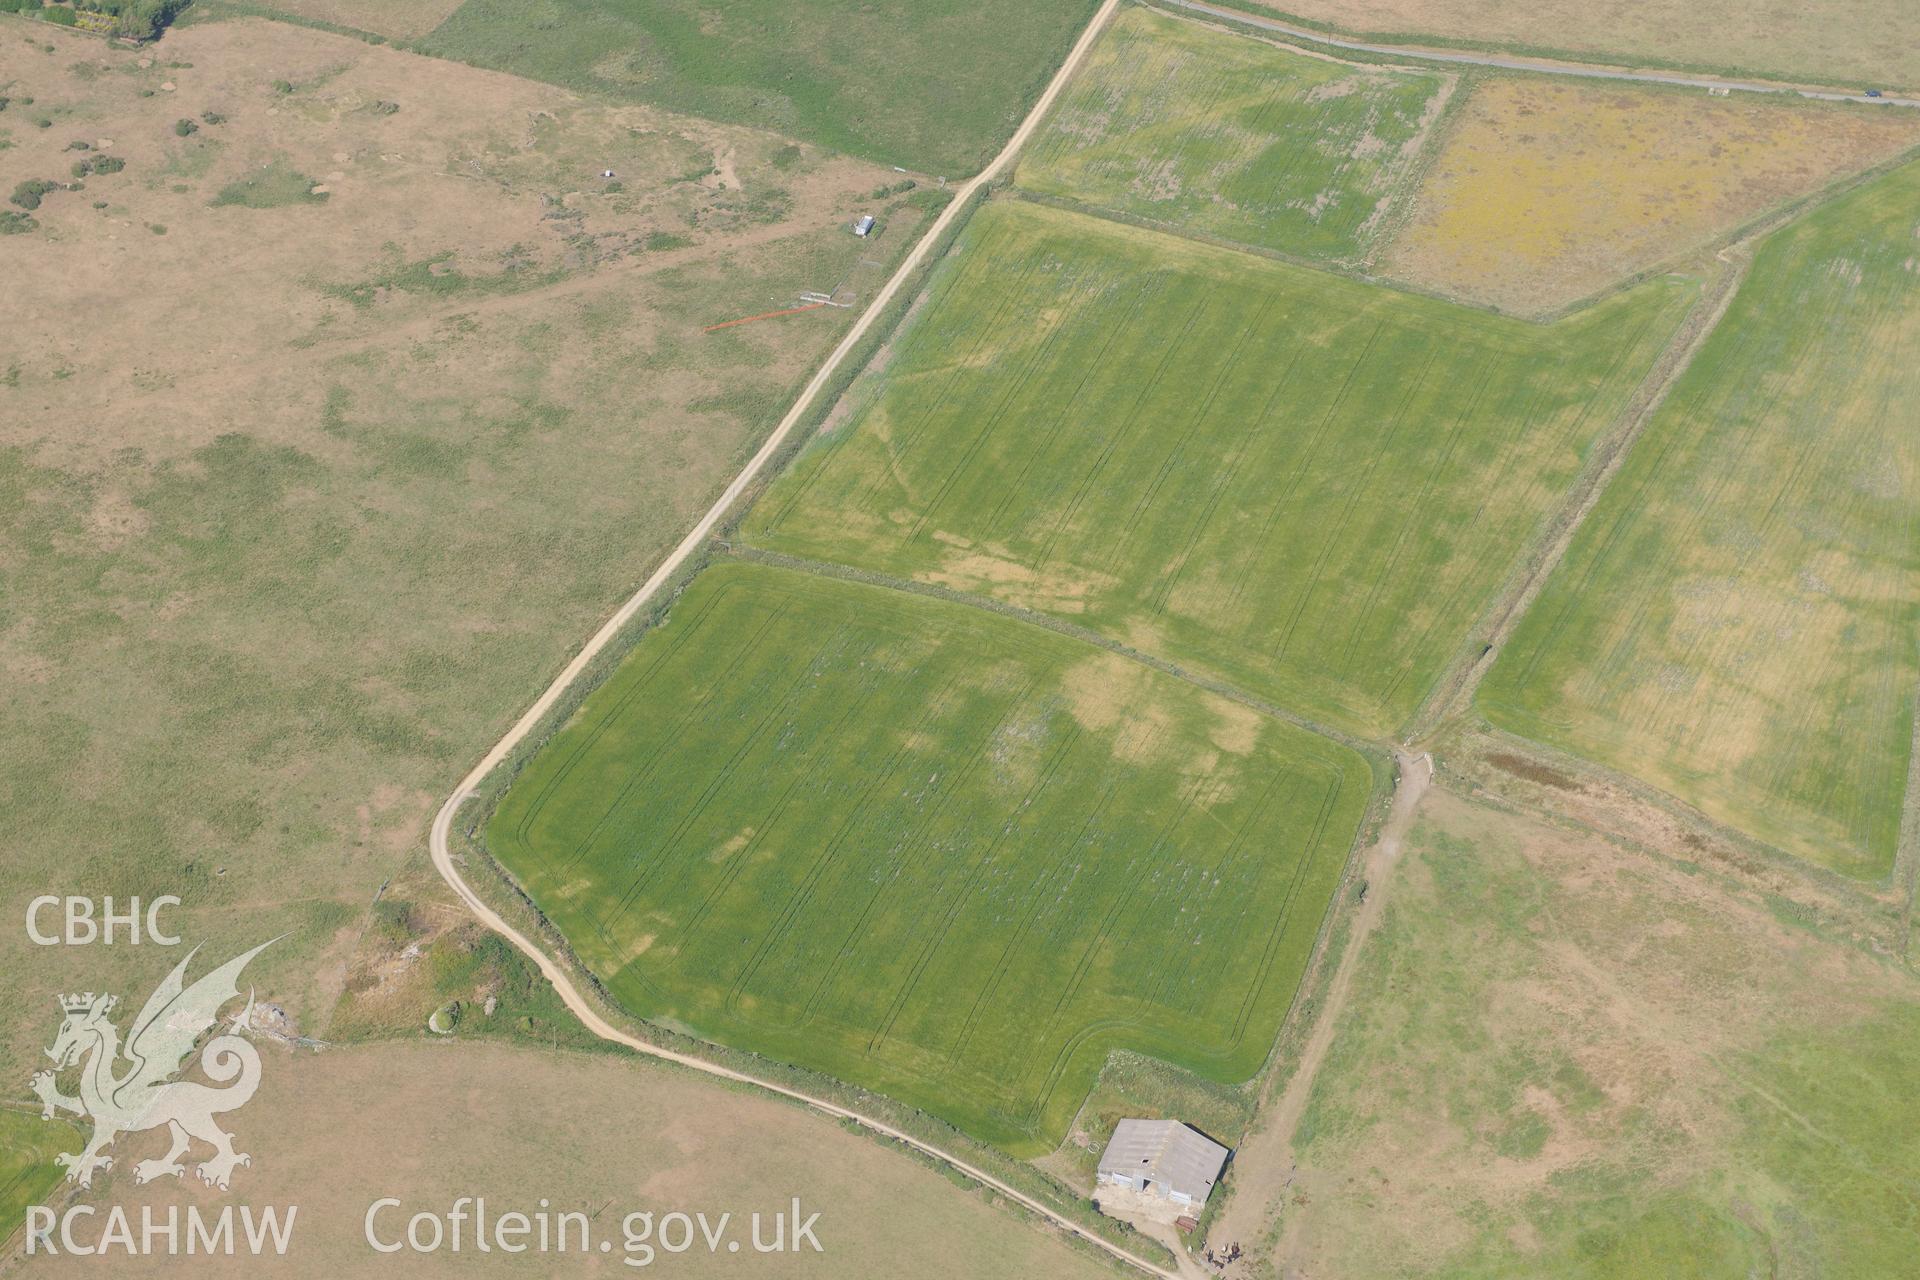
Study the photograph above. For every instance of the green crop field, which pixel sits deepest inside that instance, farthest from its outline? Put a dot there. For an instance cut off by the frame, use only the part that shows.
(930, 850)
(1192, 126)
(1737, 620)
(28, 1173)
(935, 85)
(1306, 485)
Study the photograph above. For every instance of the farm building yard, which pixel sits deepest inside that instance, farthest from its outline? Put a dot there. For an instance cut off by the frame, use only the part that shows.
(1303, 484)
(930, 850)
(1200, 129)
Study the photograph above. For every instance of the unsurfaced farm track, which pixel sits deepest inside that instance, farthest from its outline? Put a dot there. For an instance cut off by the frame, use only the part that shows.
(932, 850)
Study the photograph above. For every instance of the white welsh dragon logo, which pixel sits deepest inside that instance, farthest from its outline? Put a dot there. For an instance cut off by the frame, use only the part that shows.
(139, 1096)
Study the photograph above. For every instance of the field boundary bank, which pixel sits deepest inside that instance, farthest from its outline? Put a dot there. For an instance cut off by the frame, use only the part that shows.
(1543, 63)
(1220, 21)
(1465, 74)
(1403, 197)
(1737, 250)
(1681, 260)
(1331, 944)
(1346, 269)
(1754, 229)
(1276, 1117)
(1906, 851)
(664, 573)
(1373, 750)
(229, 10)
(1905, 876)
(1453, 693)
(1453, 697)
(1457, 748)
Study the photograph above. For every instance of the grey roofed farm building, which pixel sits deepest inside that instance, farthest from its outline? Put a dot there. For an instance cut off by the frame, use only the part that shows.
(1164, 1158)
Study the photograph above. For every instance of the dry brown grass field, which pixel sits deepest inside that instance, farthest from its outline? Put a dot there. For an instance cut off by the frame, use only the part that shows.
(1566, 1058)
(1870, 41)
(602, 1135)
(328, 425)
(1543, 193)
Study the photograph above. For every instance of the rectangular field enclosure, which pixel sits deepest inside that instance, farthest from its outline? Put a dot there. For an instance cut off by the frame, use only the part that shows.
(942, 854)
(1307, 486)
(1737, 621)
(1194, 127)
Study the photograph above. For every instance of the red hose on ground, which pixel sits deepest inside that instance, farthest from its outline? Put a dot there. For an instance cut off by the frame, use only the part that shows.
(764, 315)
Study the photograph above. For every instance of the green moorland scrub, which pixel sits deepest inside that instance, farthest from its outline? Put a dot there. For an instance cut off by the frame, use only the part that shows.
(934, 85)
(134, 19)
(1736, 622)
(1197, 128)
(1309, 486)
(271, 187)
(1560, 1058)
(931, 850)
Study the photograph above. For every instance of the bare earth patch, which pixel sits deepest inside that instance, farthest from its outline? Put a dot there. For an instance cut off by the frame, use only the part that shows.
(1532, 771)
